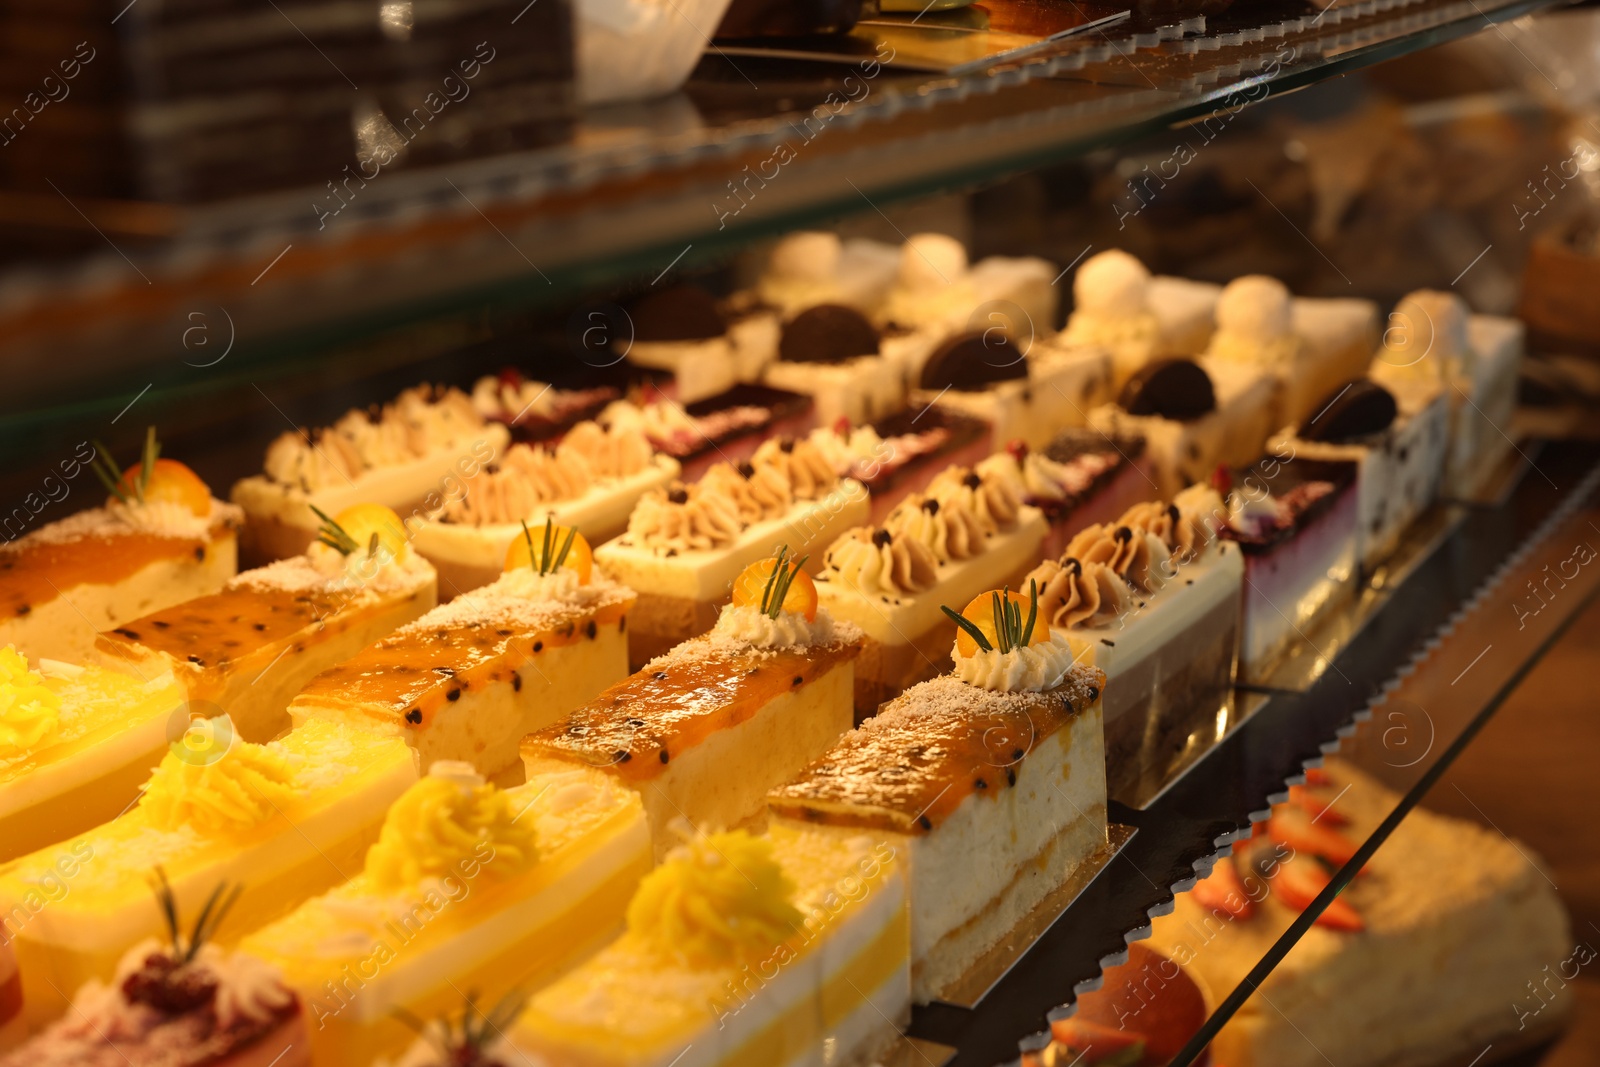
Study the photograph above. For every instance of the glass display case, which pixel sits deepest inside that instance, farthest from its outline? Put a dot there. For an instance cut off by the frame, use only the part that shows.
(1177, 134)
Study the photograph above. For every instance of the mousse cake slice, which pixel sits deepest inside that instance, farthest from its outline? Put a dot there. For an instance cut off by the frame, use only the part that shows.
(704, 731)
(250, 647)
(989, 784)
(469, 886)
(470, 678)
(287, 819)
(739, 950)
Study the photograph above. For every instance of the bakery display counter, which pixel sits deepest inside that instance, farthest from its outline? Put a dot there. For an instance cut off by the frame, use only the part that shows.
(751, 147)
(1405, 681)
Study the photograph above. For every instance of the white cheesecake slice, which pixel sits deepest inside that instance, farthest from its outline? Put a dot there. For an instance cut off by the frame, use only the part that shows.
(1118, 306)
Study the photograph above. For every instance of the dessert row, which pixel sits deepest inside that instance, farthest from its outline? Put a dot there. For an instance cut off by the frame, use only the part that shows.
(822, 793)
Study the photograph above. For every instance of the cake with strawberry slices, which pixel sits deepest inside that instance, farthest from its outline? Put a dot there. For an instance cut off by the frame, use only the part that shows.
(536, 411)
(704, 731)
(410, 455)
(470, 678)
(159, 540)
(252, 645)
(1445, 943)
(185, 1002)
(988, 783)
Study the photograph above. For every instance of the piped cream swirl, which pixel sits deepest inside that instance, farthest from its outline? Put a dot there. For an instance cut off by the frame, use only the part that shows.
(875, 563)
(1031, 669)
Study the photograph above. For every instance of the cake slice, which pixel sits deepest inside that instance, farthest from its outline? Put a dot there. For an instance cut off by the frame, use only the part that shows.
(898, 456)
(185, 1003)
(1153, 600)
(590, 481)
(1194, 416)
(1397, 438)
(1081, 477)
(1450, 940)
(937, 293)
(814, 267)
(288, 819)
(685, 545)
(832, 353)
(988, 785)
(159, 540)
(704, 731)
(708, 347)
(410, 456)
(1026, 390)
(1295, 520)
(251, 647)
(468, 679)
(726, 428)
(75, 745)
(739, 950)
(468, 886)
(535, 411)
(965, 534)
(1435, 342)
(1311, 346)
(1118, 306)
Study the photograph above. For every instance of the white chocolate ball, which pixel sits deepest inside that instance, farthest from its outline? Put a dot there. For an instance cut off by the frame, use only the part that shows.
(931, 261)
(1254, 306)
(1111, 283)
(809, 255)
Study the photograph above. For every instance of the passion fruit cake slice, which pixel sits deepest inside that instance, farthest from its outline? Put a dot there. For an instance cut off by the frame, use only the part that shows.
(705, 730)
(160, 539)
(989, 784)
(249, 648)
(470, 678)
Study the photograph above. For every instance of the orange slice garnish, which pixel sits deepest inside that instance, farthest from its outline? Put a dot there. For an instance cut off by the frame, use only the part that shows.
(580, 557)
(361, 521)
(170, 483)
(753, 581)
(980, 612)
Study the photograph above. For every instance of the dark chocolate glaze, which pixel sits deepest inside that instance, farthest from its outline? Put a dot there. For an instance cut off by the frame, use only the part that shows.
(676, 313)
(1356, 409)
(827, 333)
(968, 362)
(1171, 389)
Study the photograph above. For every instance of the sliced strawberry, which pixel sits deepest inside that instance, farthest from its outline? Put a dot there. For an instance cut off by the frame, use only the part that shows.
(1224, 890)
(1096, 1043)
(1291, 826)
(1318, 805)
(1298, 884)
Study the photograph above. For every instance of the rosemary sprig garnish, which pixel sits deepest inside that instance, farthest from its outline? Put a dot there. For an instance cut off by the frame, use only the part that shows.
(477, 1027)
(110, 475)
(1010, 629)
(216, 908)
(336, 537)
(545, 564)
(776, 591)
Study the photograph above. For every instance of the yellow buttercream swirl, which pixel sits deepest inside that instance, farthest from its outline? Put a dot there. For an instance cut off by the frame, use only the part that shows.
(242, 787)
(30, 711)
(447, 818)
(718, 899)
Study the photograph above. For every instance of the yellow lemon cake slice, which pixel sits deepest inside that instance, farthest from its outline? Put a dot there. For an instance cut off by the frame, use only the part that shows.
(989, 784)
(75, 745)
(249, 648)
(703, 732)
(468, 886)
(159, 540)
(739, 950)
(287, 819)
(469, 679)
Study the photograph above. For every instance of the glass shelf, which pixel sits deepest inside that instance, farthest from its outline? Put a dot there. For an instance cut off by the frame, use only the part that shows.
(639, 191)
(1394, 701)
